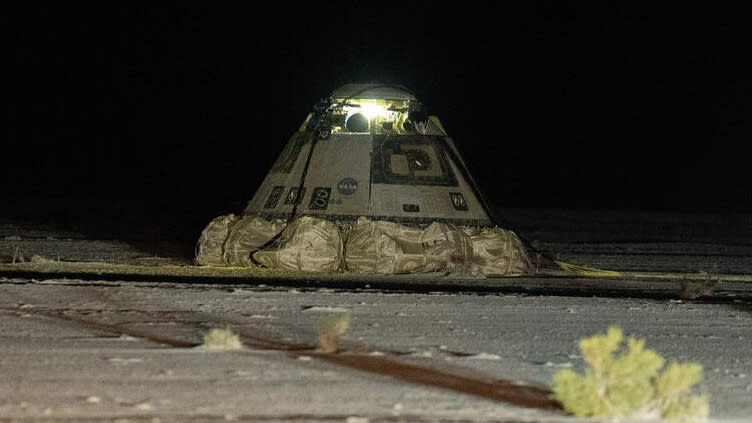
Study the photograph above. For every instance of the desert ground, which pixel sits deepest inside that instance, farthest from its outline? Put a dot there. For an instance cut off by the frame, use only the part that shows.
(110, 347)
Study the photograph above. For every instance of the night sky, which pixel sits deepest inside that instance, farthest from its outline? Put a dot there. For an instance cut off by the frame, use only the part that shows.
(565, 106)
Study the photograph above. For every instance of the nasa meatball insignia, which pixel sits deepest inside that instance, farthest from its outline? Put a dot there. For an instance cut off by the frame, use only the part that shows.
(347, 186)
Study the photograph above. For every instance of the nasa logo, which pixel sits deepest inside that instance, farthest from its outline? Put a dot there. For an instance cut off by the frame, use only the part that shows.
(347, 186)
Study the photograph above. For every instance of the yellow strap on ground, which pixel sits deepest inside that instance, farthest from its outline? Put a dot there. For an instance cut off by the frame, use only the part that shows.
(587, 271)
(698, 276)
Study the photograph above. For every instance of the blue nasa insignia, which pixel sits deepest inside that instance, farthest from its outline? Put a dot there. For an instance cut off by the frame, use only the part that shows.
(347, 186)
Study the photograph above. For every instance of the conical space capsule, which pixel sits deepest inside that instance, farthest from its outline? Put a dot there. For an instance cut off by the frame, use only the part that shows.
(371, 184)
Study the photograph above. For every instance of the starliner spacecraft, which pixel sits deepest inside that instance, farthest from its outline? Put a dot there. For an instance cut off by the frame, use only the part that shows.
(369, 183)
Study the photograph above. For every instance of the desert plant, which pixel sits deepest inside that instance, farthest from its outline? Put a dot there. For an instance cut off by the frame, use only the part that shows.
(627, 383)
(222, 339)
(330, 327)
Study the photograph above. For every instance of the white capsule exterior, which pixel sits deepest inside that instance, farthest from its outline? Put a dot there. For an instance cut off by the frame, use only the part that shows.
(395, 167)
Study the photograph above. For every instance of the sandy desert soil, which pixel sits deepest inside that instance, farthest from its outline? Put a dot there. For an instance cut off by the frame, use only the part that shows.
(119, 350)
(73, 350)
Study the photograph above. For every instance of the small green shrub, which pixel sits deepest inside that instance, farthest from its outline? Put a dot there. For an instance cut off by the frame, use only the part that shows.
(627, 383)
(222, 339)
(331, 327)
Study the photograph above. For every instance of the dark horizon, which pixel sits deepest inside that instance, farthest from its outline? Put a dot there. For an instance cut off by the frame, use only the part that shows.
(551, 107)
